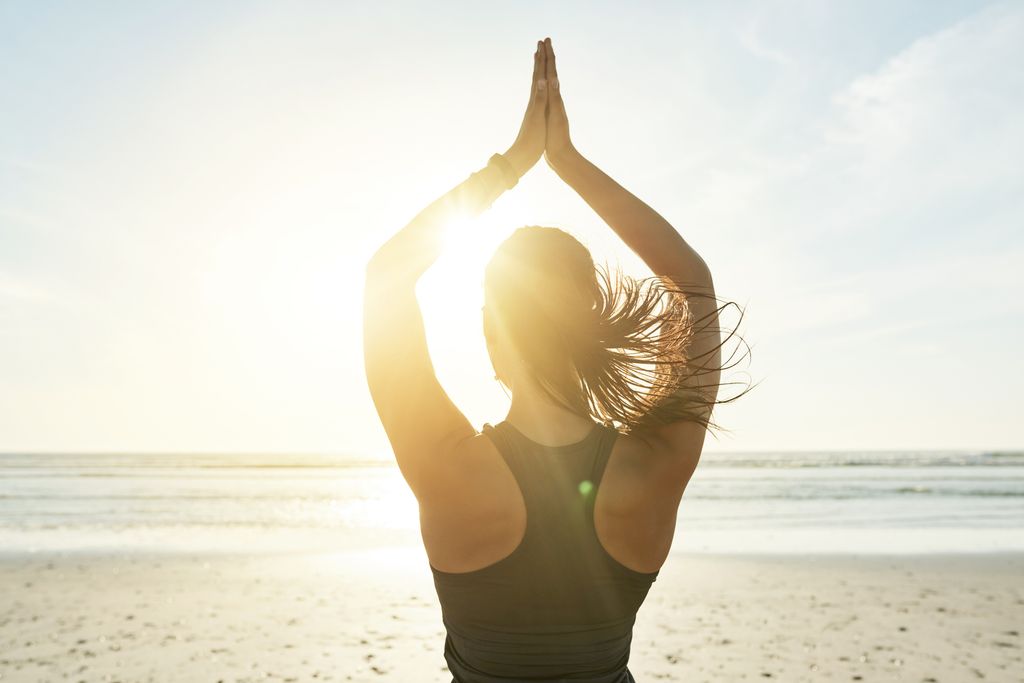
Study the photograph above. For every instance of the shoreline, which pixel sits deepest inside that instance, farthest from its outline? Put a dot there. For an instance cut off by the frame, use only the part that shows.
(787, 556)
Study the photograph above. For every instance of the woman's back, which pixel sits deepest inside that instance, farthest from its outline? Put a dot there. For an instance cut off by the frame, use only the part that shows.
(559, 606)
(541, 556)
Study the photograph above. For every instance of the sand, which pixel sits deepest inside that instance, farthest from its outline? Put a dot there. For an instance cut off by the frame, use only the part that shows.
(373, 616)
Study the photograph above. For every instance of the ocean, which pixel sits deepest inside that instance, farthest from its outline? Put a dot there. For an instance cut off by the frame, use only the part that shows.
(763, 503)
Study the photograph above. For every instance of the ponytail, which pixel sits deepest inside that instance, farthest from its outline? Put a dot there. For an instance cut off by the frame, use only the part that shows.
(607, 345)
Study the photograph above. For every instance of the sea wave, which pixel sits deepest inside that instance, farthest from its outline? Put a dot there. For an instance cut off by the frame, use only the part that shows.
(868, 459)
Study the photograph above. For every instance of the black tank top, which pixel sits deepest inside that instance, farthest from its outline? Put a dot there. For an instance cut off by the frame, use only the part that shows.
(559, 607)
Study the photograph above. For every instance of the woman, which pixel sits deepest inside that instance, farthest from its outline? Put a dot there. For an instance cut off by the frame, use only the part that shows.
(545, 532)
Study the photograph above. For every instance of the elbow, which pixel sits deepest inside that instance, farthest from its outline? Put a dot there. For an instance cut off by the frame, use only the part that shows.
(376, 266)
(703, 273)
(382, 265)
(385, 268)
(698, 279)
(698, 268)
(692, 274)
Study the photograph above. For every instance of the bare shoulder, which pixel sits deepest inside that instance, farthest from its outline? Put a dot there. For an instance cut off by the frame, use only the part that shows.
(655, 466)
(472, 477)
(638, 501)
(477, 515)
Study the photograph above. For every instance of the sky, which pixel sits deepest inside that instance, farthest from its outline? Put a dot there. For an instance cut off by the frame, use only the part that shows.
(189, 193)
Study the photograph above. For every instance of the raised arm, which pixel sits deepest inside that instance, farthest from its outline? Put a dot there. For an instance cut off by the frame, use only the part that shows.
(654, 240)
(421, 422)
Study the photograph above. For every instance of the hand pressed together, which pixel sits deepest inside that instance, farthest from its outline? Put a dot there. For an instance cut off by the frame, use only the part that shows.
(558, 146)
(545, 126)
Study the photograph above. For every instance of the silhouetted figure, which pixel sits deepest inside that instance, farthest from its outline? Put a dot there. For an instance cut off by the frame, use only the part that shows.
(545, 531)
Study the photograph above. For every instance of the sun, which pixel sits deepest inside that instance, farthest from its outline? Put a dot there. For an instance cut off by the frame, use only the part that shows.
(454, 284)
(451, 297)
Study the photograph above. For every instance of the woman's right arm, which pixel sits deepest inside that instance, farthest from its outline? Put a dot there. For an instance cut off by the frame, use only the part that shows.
(656, 242)
(642, 228)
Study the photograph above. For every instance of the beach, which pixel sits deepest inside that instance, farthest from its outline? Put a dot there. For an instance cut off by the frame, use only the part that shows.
(372, 616)
(786, 566)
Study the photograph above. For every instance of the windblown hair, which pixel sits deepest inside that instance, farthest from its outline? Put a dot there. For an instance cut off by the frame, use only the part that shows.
(604, 344)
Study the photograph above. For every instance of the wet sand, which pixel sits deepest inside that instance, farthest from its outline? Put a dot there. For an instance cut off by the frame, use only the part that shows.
(373, 616)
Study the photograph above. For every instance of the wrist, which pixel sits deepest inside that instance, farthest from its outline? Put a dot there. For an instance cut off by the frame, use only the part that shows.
(518, 159)
(564, 159)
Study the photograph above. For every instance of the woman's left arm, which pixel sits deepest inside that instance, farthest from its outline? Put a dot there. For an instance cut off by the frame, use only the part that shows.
(422, 423)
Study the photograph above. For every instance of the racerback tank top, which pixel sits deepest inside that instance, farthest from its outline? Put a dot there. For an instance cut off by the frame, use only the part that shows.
(559, 607)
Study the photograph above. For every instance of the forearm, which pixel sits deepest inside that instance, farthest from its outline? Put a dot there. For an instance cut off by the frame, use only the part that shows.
(642, 228)
(416, 246)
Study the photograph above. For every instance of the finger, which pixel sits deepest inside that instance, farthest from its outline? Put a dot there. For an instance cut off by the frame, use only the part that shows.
(540, 83)
(556, 107)
(538, 64)
(550, 72)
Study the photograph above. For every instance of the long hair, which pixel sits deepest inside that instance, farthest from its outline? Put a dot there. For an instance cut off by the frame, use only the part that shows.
(604, 344)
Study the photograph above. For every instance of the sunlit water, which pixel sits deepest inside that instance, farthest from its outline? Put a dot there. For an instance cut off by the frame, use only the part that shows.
(737, 503)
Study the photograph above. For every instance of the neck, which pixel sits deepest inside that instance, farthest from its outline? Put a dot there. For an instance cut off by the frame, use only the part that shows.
(542, 420)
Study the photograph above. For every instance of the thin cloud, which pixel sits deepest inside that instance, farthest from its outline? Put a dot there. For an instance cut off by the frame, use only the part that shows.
(750, 37)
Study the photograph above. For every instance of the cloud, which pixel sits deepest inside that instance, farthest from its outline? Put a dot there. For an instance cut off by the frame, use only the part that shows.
(942, 118)
(752, 40)
(916, 173)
